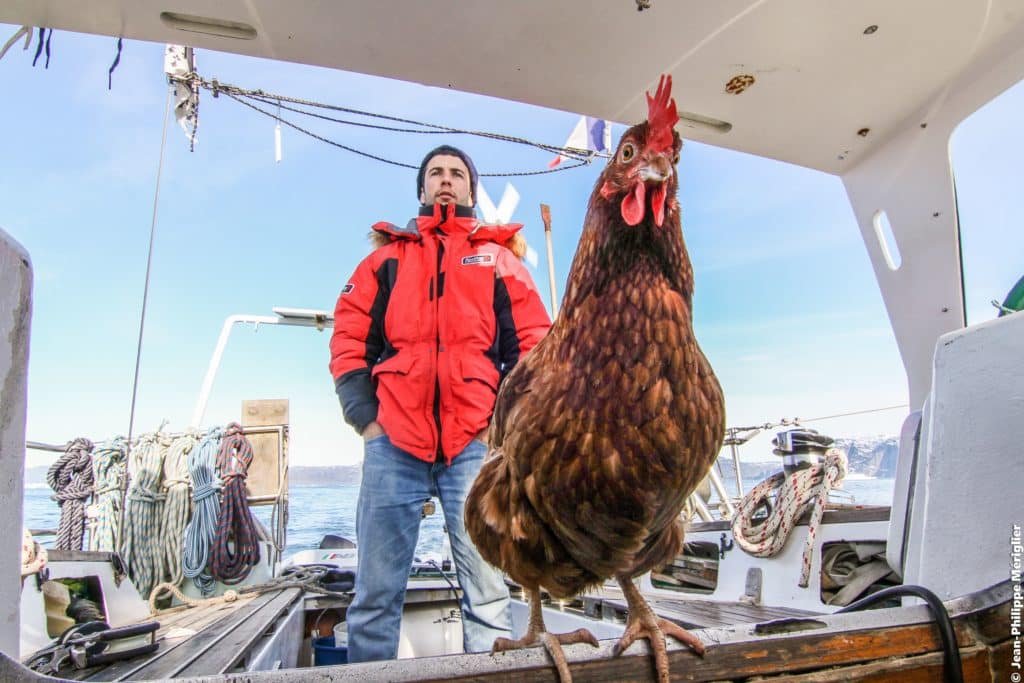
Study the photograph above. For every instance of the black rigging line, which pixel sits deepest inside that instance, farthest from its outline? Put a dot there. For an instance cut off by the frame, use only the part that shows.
(247, 97)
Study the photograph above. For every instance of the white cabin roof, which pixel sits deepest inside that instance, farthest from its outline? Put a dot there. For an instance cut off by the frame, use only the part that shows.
(821, 75)
(870, 91)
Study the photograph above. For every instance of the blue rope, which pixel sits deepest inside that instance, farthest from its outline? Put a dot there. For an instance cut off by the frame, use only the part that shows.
(202, 467)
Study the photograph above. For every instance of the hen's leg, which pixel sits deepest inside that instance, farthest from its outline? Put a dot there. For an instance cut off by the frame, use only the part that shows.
(535, 631)
(643, 623)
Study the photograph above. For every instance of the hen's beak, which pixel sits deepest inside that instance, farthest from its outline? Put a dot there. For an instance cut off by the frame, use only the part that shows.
(657, 170)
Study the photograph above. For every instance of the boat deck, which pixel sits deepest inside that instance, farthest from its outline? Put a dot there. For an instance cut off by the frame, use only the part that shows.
(690, 612)
(199, 641)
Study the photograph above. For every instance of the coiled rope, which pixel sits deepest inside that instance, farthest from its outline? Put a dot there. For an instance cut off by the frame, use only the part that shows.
(766, 536)
(109, 476)
(71, 480)
(305, 577)
(175, 507)
(202, 466)
(235, 548)
(140, 549)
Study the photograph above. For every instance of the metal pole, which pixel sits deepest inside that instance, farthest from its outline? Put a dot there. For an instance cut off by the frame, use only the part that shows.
(222, 341)
(700, 508)
(736, 466)
(723, 495)
(284, 316)
(545, 215)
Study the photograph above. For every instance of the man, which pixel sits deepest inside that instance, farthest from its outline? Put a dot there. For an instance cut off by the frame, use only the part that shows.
(424, 331)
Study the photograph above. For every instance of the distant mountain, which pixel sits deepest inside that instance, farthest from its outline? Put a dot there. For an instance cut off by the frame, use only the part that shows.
(302, 476)
(875, 457)
(36, 475)
(296, 475)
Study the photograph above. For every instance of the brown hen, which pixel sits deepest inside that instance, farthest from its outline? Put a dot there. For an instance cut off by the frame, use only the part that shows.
(602, 431)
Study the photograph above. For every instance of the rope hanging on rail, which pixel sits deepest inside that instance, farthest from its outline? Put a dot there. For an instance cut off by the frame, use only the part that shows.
(140, 545)
(108, 471)
(766, 536)
(235, 547)
(176, 506)
(199, 534)
(71, 480)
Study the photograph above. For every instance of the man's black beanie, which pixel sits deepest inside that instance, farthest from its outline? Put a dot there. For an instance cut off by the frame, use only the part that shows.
(448, 150)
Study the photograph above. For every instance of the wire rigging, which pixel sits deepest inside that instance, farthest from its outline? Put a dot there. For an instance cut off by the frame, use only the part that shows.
(250, 97)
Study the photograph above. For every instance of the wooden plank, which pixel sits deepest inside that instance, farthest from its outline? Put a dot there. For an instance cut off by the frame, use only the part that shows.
(920, 669)
(991, 624)
(265, 476)
(165, 661)
(58, 555)
(235, 645)
(728, 661)
(265, 413)
(1002, 655)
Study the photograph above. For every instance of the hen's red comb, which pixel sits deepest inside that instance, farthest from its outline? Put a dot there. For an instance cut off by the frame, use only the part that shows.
(661, 114)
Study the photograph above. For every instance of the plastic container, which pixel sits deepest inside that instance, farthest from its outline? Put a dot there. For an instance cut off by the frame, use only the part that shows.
(341, 634)
(326, 653)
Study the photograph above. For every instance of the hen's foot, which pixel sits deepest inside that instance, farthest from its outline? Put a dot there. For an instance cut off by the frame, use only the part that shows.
(552, 643)
(655, 630)
(644, 623)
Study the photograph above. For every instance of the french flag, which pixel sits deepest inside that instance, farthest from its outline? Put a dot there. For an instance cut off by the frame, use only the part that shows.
(589, 135)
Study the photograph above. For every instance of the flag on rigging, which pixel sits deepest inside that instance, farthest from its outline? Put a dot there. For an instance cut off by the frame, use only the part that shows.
(589, 135)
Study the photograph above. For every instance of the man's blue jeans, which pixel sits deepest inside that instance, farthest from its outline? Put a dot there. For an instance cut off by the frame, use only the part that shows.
(395, 485)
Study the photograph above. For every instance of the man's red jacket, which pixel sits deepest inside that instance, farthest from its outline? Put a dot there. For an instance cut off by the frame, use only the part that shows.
(427, 327)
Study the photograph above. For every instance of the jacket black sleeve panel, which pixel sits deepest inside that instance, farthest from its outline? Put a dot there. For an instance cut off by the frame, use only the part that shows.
(521, 318)
(359, 340)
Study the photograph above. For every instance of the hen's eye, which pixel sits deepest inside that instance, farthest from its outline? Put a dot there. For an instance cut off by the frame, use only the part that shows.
(675, 158)
(628, 151)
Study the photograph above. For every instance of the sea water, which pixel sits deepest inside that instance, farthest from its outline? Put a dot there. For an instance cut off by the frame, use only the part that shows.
(314, 511)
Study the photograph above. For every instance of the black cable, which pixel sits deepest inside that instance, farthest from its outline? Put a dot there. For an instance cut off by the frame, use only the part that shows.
(304, 131)
(117, 60)
(435, 565)
(951, 653)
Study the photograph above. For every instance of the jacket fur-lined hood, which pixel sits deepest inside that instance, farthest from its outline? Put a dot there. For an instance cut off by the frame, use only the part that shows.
(505, 235)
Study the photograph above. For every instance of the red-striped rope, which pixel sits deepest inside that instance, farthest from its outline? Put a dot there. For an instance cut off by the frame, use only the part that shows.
(766, 536)
(235, 548)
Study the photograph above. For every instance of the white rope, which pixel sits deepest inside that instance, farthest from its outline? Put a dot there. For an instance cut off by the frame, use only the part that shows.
(108, 471)
(202, 466)
(71, 480)
(176, 506)
(142, 517)
(766, 536)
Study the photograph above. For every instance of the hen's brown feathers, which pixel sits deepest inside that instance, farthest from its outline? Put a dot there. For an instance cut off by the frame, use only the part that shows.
(602, 431)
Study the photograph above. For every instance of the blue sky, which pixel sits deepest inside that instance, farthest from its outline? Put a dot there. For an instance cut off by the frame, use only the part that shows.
(239, 233)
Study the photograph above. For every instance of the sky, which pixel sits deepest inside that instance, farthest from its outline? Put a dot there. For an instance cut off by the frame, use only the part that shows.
(238, 233)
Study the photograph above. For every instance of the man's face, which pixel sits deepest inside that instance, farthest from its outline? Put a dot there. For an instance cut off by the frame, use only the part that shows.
(446, 181)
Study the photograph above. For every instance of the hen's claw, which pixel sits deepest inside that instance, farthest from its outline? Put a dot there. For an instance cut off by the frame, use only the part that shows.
(682, 635)
(643, 623)
(655, 631)
(552, 642)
